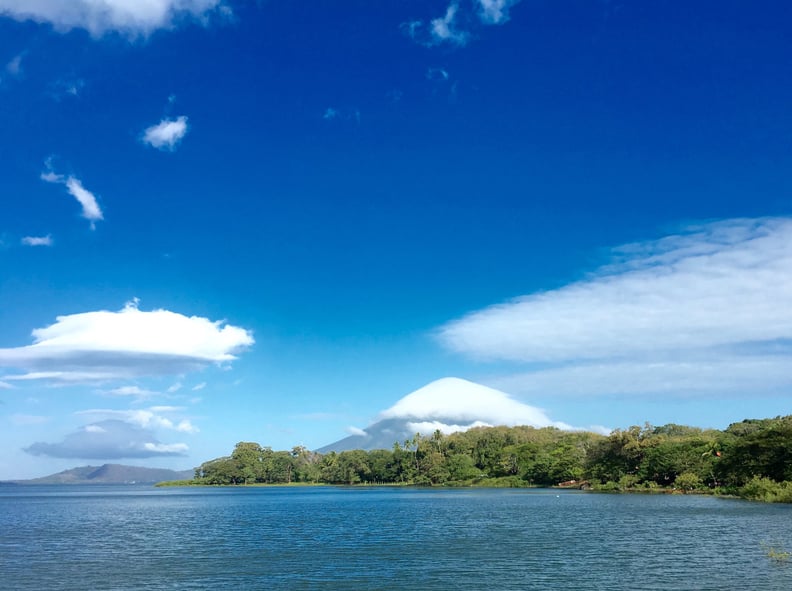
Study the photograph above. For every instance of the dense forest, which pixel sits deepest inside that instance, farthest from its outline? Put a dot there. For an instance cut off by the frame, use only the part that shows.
(752, 458)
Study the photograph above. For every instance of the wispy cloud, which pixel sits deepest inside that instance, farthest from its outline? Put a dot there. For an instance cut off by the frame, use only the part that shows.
(331, 114)
(66, 88)
(437, 74)
(706, 309)
(37, 240)
(135, 391)
(90, 207)
(444, 28)
(456, 26)
(14, 65)
(130, 343)
(151, 418)
(495, 12)
(198, 387)
(108, 440)
(355, 430)
(132, 19)
(166, 134)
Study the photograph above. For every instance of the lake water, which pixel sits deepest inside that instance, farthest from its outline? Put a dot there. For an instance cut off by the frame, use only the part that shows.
(106, 537)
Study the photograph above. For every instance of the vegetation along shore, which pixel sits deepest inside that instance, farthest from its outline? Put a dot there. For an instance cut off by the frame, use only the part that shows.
(751, 459)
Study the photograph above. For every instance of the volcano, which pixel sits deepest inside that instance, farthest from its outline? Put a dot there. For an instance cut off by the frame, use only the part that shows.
(447, 405)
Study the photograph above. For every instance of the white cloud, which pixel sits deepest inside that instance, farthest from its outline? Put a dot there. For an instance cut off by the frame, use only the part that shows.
(716, 373)
(108, 440)
(704, 309)
(151, 418)
(186, 426)
(198, 387)
(131, 391)
(130, 343)
(166, 134)
(37, 240)
(495, 12)
(167, 448)
(90, 207)
(429, 427)
(455, 26)
(453, 399)
(444, 28)
(437, 74)
(60, 376)
(5, 386)
(165, 408)
(129, 17)
(174, 388)
(355, 430)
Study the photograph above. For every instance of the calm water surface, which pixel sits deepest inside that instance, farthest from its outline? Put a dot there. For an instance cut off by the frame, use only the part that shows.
(104, 537)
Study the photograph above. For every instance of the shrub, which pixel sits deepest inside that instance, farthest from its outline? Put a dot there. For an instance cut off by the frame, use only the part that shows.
(688, 481)
(767, 490)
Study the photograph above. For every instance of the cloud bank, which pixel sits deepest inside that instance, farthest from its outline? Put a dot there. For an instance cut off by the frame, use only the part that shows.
(130, 343)
(166, 134)
(131, 18)
(704, 309)
(108, 440)
(151, 418)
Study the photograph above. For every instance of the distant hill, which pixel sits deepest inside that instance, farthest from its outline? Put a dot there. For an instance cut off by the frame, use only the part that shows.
(111, 474)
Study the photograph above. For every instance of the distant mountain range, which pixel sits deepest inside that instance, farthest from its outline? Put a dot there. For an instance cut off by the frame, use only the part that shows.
(109, 474)
(447, 405)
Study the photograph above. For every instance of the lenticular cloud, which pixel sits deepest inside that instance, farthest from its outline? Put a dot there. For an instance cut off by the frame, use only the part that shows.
(454, 399)
(724, 284)
(129, 343)
(708, 309)
(108, 440)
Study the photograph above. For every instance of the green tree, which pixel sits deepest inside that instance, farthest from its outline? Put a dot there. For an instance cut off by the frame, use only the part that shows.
(250, 461)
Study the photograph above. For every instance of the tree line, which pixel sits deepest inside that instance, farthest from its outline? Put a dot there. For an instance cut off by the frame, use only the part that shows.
(753, 457)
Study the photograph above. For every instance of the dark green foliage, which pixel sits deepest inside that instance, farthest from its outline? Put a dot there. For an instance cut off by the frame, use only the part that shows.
(757, 448)
(755, 455)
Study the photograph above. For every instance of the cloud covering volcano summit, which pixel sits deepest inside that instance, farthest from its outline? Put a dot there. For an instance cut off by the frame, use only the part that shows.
(448, 405)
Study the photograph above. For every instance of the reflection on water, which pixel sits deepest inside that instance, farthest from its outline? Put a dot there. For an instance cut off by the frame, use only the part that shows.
(103, 537)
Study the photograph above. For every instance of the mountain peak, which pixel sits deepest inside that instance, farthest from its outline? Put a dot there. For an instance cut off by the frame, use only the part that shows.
(111, 474)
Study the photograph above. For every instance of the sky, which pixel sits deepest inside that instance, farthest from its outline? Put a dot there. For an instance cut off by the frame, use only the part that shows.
(230, 221)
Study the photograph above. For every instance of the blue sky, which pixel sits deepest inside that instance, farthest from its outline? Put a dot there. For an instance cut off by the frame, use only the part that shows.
(270, 221)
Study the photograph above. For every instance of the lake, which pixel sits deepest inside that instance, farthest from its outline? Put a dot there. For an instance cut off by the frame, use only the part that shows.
(132, 537)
